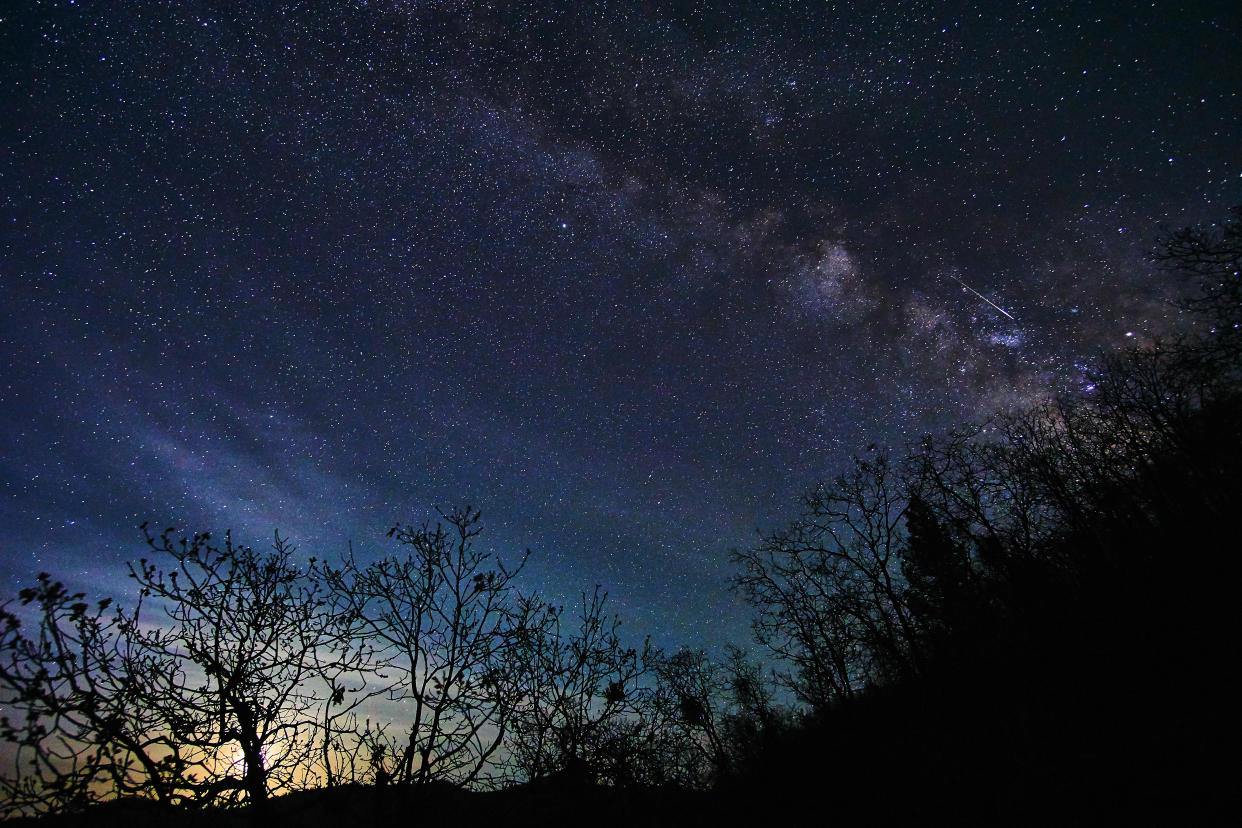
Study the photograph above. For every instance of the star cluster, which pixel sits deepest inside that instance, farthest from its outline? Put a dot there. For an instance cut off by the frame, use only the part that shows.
(628, 276)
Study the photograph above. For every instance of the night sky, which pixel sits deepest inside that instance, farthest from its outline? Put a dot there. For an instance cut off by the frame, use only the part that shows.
(628, 276)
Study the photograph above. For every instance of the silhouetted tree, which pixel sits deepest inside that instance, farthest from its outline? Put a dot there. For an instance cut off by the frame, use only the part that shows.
(217, 701)
(721, 712)
(969, 483)
(697, 690)
(828, 592)
(753, 718)
(236, 673)
(943, 585)
(581, 694)
(444, 622)
(1212, 257)
(76, 725)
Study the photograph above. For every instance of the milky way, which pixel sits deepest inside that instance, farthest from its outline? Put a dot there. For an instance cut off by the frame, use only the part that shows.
(627, 276)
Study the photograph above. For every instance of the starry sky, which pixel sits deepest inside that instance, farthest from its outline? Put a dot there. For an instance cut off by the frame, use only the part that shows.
(628, 276)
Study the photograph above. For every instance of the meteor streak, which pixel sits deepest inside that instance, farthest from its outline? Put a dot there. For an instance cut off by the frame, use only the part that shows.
(981, 296)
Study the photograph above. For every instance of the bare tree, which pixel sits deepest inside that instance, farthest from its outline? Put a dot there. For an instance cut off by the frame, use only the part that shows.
(1212, 257)
(698, 691)
(236, 673)
(968, 482)
(440, 619)
(752, 717)
(828, 591)
(220, 700)
(75, 726)
(581, 694)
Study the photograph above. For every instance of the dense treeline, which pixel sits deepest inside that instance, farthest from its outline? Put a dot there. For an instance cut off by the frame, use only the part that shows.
(1030, 619)
(1025, 617)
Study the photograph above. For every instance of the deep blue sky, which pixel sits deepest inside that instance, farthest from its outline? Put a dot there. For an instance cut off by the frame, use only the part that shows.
(628, 276)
